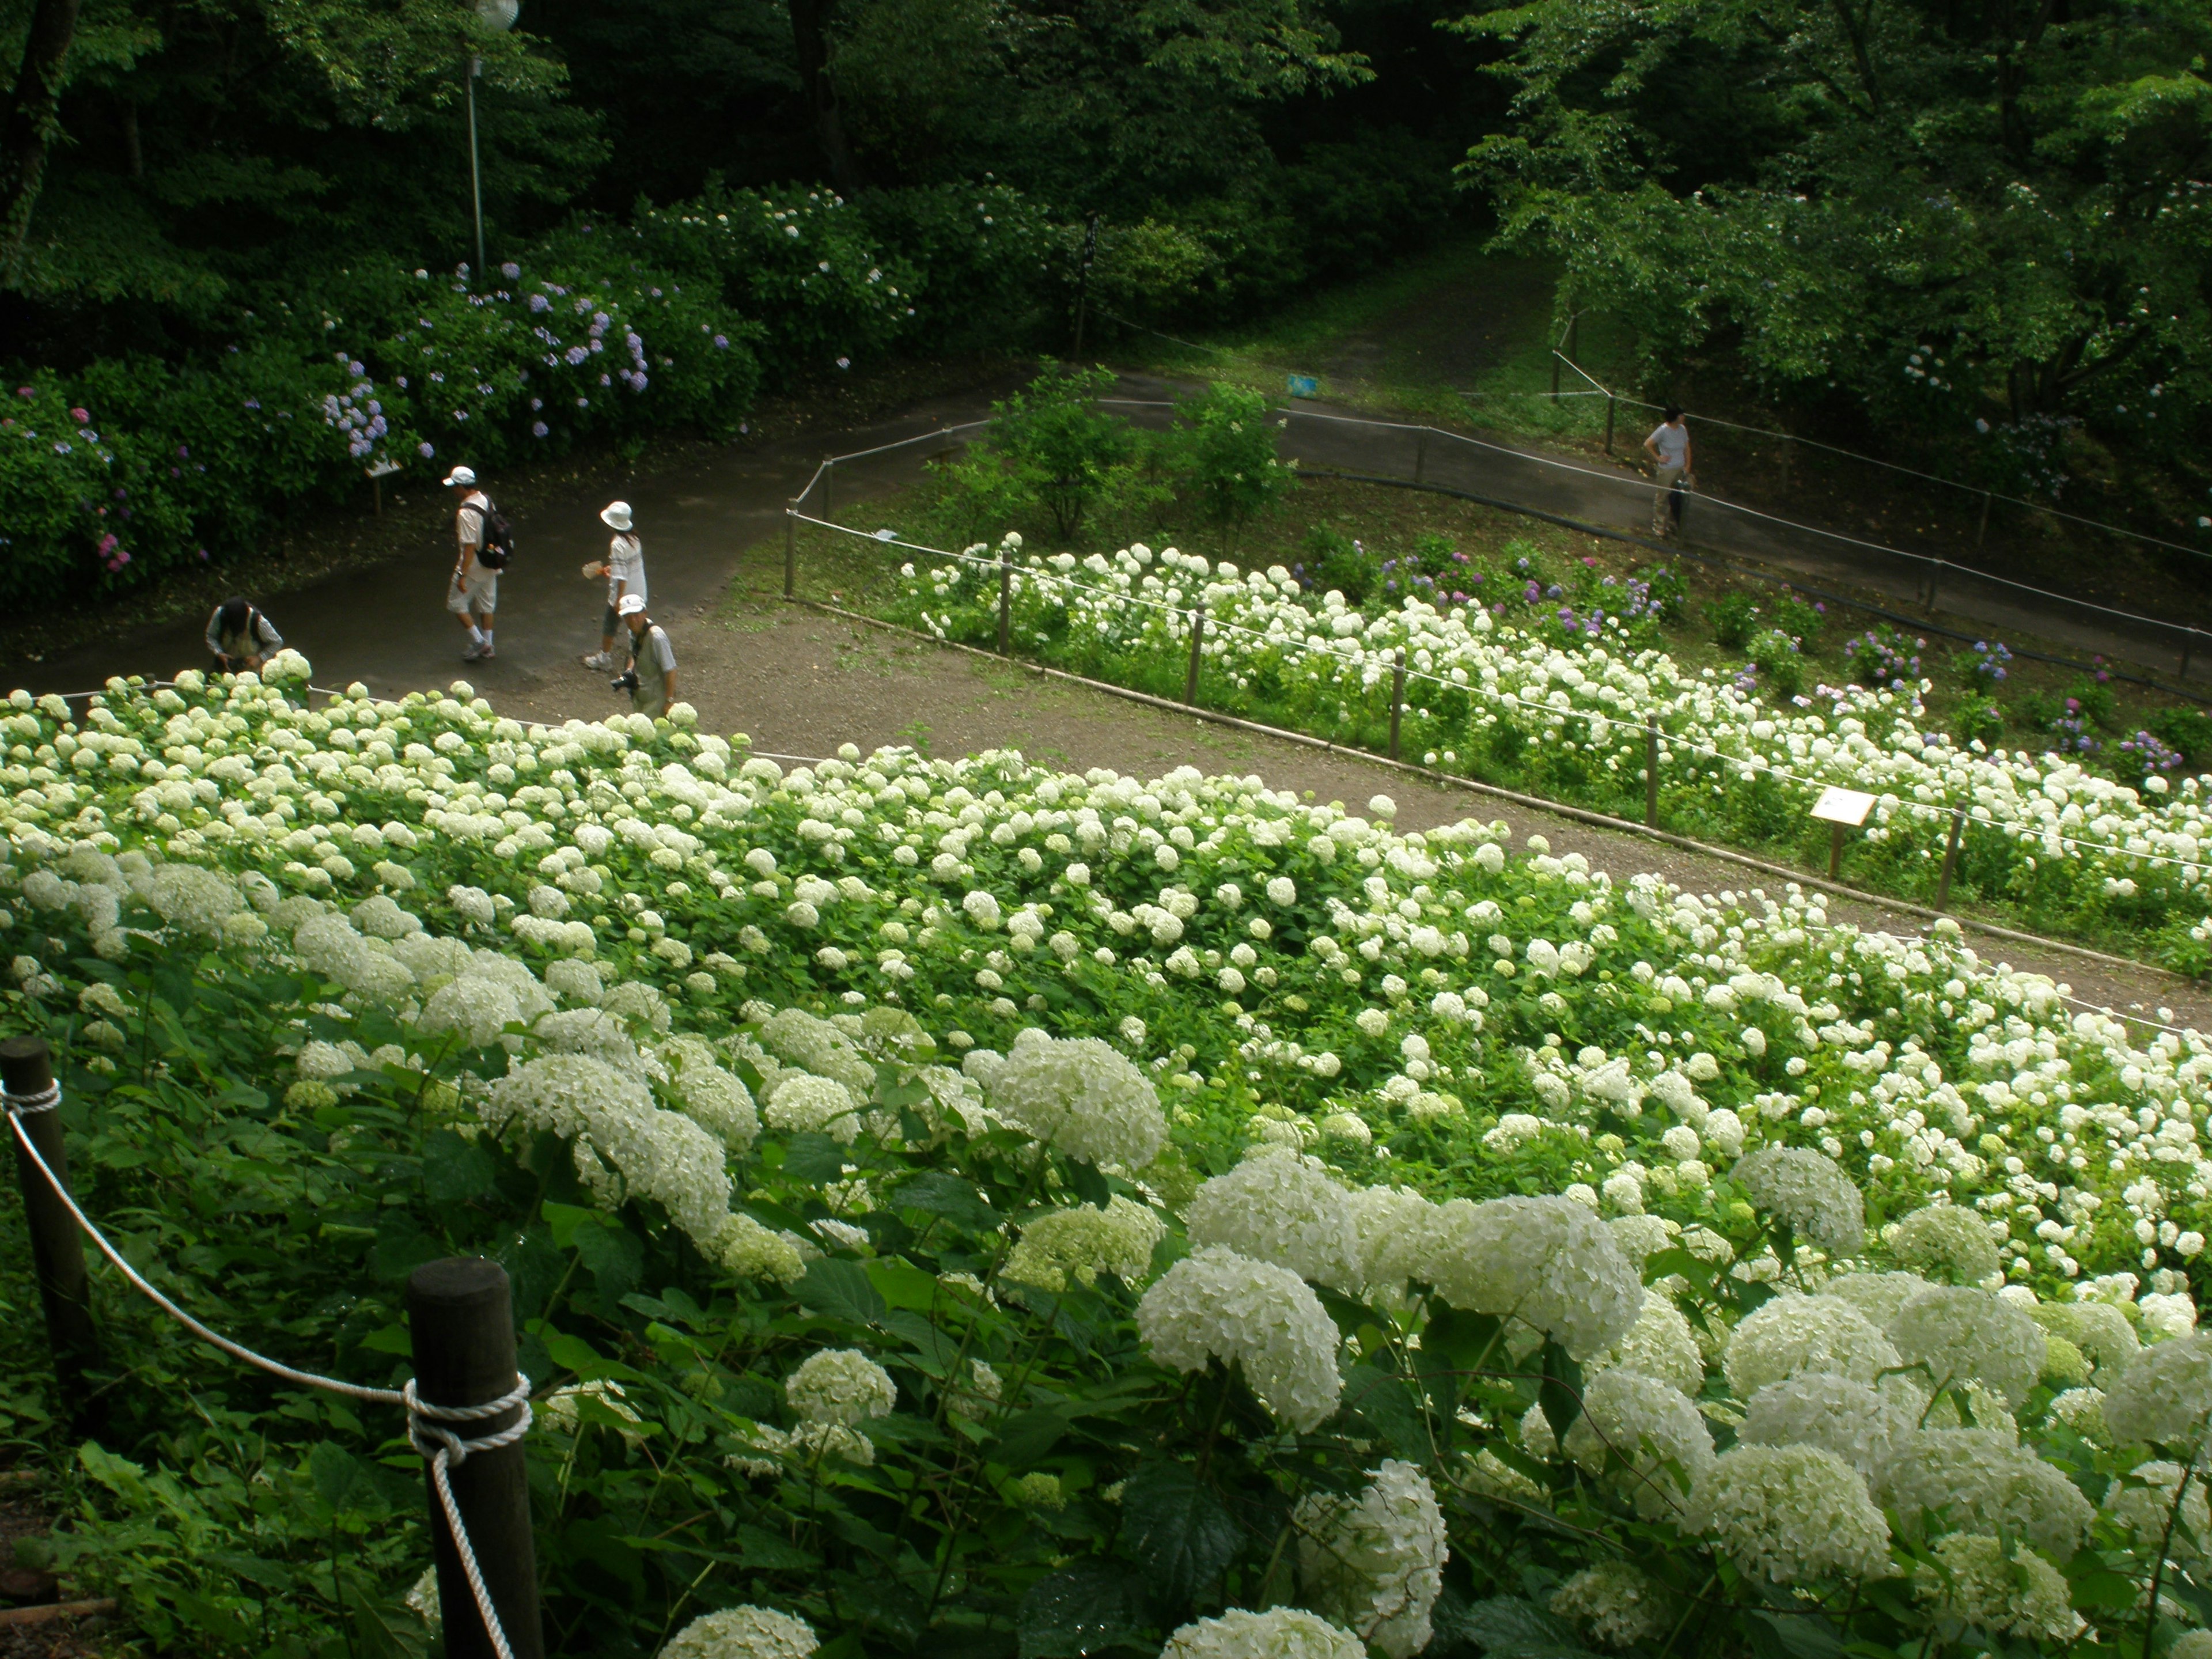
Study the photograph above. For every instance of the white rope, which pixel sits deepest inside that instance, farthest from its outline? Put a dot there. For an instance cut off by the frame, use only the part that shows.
(440, 1446)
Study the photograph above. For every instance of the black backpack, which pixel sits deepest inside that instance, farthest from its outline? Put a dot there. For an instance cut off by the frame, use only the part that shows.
(496, 551)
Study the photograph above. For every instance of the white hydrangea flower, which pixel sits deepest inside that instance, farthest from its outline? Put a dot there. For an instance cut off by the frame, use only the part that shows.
(197, 901)
(1838, 1414)
(1957, 1332)
(1278, 1633)
(1879, 1295)
(752, 1251)
(1652, 1427)
(1978, 1479)
(1546, 1262)
(1390, 1225)
(575, 982)
(1794, 1333)
(710, 1097)
(2164, 1398)
(2098, 1329)
(1374, 1563)
(801, 1105)
(1810, 1193)
(747, 1633)
(1792, 1514)
(2008, 1593)
(379, 917)
(1216, 1304)
(1618, 1604)
(1278, 1205)
(1660, 1345)
(2082, 1410)
(595, 1032)
(479, 1011)
(657, 1155)
(842, 1386)
(1081, 1097)
(2143, 1500)
(1083, 1242)
(1947, 1243)
(2191, 1644)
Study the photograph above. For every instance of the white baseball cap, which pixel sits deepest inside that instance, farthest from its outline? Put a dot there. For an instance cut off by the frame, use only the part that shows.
(615, 515)
(461, 474)
(630, 605)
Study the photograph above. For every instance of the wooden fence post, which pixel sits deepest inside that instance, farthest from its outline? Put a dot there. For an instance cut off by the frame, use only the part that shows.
(1983, 528)
(462, 1321)
(57, 1246)
(1397, 698)
(1835, 851)
(828, 486)
(1651, 771)
(791, 549)
(1934, 575)
(1006, 597)
(1197, 645)
(1950, 857)
(1608, 423)
(2188, 649)
(1420, 453)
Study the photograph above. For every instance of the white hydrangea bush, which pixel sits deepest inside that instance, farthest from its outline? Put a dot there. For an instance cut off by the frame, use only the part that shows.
(832, 1188)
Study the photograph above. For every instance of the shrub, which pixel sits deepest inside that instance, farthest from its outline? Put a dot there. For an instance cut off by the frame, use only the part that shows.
(1979, 718)
(1223, 450)
(1883, 657)
(1734, 617)
(1775, 654)
(1333, 560)
(1058, 447)
(1800, 621)
(2189, 730)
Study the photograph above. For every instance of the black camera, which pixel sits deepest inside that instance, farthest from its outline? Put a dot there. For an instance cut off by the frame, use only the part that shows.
(625, 681)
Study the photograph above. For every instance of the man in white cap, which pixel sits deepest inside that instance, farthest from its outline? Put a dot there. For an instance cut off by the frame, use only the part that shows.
(651, 675)
(473, 594)
(624, 569)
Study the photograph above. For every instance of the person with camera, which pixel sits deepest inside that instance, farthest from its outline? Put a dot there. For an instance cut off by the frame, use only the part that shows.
(624, 570)
(238, 637)
(650, 679)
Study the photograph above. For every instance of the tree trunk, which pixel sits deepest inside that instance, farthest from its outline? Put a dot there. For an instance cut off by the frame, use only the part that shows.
(810, 33)
(34, 118)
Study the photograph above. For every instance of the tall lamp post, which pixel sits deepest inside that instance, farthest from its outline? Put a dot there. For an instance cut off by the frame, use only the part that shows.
(498, 16)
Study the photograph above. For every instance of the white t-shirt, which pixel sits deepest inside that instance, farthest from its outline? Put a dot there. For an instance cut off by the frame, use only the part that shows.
(1672, 440)
(468, 522)
(626, 565)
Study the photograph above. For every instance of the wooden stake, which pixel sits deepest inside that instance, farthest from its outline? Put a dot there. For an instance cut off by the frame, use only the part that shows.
(462, 1321)
(1983, 528)
(1950, 858)
(1608, 423)
(1835, 850)
(828, 486)
(57, 1246)
(1006, 597)
(1420, 453)
(1651, 771)
(1197, 645)
(791, 549)
(1397, 698)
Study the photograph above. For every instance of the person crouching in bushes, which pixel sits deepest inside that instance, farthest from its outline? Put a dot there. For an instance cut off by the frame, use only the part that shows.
(239, 638)
(650, 679)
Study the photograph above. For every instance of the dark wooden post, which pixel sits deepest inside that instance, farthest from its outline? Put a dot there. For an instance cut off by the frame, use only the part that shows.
(791, 549)
(57, 1246)
(1934, 575)
(1835, 850)
(828, 486)
(1197, 645)
(1651, 771)
(462, 1321)
(2188, 649)
(1420, 453)
(1397, 698)
(1950, 858)
(1006, 597)
(1608, 423)
(1983, 528)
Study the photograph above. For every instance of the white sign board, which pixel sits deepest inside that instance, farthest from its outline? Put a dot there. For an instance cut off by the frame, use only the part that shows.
(385, 467)
(1842, 806)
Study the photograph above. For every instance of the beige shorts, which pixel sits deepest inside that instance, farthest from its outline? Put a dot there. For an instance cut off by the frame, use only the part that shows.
(479, 596)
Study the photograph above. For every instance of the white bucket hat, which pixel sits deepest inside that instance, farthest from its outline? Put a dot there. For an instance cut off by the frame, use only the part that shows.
(461, 474)
(615, 515)
(630, 605)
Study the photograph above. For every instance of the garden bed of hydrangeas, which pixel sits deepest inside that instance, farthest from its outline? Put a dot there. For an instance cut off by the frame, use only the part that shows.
(2047, 839)
(955, 1207)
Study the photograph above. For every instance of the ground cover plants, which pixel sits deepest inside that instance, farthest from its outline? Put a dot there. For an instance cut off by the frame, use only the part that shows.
(968, 1208)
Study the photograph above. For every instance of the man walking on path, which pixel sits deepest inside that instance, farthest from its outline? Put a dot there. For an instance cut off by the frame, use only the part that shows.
(651, 678)
(238, 637)
(473, 595)
(1668, 446)
(624, 569)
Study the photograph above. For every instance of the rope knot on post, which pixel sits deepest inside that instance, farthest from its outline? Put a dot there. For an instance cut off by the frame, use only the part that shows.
(445, 1450)
(41, 1100)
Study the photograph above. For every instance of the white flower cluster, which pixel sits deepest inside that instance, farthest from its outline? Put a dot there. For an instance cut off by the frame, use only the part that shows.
(1217, 1304)
(1548, 1262)
(841, 1386)
(1080, 1097)
(1808, 1192)
(743, 1633)
(1621, 1605)
(1652, 1428)
(1278, 1633)
(1280, 1207)
(1078, 1243)
(2010, 1592)
(1793, 1515)
(1374, 1563)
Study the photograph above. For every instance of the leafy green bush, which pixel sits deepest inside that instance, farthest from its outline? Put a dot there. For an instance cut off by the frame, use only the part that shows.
(1775, 654)
(1331, 559)
(1734, 618)
(1060, 448)
(2189, 730)
(1800, 620)
(1223, 450)
(1979, 718)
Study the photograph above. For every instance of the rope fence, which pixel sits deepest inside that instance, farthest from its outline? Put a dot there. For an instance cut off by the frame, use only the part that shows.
(460, 1316)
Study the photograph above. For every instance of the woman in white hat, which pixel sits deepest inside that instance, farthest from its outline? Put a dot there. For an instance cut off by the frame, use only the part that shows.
(624, 569)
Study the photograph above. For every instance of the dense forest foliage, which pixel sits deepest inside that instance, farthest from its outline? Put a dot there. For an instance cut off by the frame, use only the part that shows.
(1980, 223)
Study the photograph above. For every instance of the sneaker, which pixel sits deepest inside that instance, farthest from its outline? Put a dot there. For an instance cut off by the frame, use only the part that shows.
(486, 654)
(472, 652)
(598, 662)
